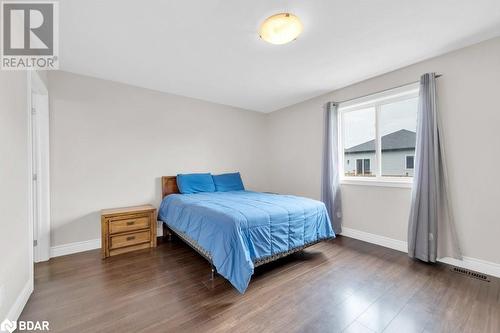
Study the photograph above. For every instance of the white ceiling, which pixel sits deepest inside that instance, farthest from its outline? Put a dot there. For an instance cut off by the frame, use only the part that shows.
(209, 49)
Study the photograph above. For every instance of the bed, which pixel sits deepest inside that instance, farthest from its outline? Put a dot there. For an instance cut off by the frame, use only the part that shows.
(237, 231)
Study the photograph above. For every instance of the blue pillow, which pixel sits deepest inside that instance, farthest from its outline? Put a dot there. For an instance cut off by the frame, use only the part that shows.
(228, 182)
(195, 182)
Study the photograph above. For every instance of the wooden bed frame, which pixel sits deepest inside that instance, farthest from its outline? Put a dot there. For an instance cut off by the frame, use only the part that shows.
(169, 186)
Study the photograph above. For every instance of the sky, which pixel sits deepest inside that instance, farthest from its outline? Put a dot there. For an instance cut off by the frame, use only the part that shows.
(359, 125)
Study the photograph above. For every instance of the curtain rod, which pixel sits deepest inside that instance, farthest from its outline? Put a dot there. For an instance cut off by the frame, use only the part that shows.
(381, 91)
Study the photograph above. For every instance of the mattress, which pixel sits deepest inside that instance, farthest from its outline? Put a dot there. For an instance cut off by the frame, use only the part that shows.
(237, 228)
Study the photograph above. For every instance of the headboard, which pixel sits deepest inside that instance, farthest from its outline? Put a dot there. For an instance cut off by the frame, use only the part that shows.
(168, 185)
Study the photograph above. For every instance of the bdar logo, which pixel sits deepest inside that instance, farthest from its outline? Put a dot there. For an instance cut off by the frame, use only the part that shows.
(8, 326)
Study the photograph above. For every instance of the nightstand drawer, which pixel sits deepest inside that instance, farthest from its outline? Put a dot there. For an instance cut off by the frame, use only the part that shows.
(121, 240)
(129, 224)
(127, 229)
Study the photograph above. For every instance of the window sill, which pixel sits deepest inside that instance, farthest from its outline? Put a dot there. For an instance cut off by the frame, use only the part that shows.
(401, 183)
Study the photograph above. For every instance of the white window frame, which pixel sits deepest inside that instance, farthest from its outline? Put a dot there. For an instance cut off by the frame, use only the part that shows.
(374, 101)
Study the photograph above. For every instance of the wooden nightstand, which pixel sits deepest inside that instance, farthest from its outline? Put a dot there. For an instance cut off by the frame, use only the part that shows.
(127, 229)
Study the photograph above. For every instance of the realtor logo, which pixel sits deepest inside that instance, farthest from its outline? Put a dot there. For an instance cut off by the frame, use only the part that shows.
(29, 35)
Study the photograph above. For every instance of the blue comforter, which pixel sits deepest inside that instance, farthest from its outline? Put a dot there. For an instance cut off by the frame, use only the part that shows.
(239, 227)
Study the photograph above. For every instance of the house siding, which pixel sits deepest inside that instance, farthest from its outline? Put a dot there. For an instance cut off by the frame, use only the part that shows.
(393, 162)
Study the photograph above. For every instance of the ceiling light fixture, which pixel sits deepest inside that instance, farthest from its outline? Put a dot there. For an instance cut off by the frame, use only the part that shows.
(280, 28)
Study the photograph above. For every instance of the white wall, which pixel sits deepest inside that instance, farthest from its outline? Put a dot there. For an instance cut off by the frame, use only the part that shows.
(111, 143)
(468, 103)
(15, 271)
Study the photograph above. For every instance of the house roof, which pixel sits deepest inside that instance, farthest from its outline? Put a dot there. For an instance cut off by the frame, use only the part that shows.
(399, 140)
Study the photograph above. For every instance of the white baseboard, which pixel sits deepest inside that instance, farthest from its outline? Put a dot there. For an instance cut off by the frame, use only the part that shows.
(478, 265)
(70, 248)
(375, 239)
(20, 303)
(62, 250)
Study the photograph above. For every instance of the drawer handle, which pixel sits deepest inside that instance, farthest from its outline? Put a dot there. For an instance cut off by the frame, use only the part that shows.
(129, 238)
(130, 223)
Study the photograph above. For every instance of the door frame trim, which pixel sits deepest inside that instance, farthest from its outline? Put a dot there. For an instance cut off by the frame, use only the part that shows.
(42, 251)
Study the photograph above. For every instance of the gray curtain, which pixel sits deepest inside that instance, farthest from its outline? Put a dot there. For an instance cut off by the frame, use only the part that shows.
(431, 232)
(330, 187)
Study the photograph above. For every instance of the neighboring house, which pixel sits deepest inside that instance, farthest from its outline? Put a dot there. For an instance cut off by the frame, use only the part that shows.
(398, 151)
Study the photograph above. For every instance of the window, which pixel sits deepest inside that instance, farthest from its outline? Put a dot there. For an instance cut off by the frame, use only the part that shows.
(409, 162)
(366, 166)
(359, 167)
(359, 129)
(398, 124)
(378, 133)
(363, 167)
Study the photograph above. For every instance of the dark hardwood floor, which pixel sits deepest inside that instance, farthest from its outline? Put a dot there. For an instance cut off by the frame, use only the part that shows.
(341, 285)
